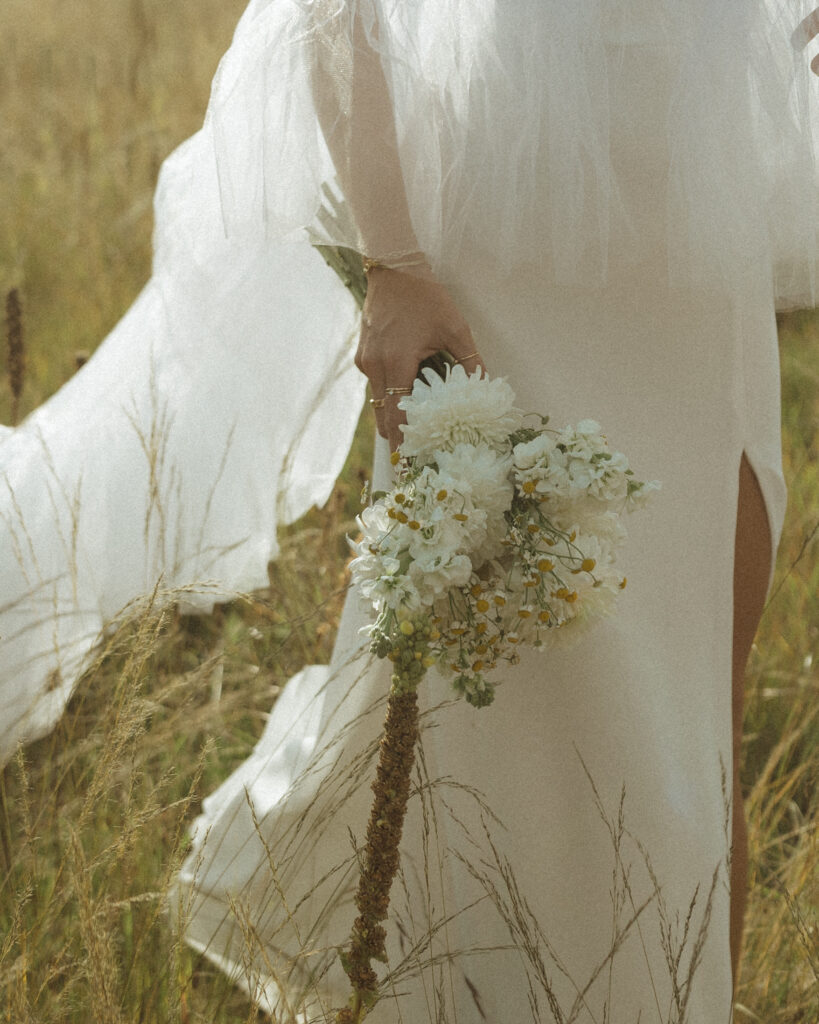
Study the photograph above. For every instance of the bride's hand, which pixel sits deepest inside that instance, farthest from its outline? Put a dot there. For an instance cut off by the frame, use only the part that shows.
(408, 316)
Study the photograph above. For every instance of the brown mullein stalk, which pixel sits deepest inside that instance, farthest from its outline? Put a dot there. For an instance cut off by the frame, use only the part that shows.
(16, 351)
(391, 788)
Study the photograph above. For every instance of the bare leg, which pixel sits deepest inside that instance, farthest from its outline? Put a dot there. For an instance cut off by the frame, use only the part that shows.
(751, 571)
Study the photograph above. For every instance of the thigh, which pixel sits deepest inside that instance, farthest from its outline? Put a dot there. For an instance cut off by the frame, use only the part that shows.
(752, 564)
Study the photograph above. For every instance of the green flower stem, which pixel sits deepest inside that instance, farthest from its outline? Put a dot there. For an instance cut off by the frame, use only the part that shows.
(391, 788)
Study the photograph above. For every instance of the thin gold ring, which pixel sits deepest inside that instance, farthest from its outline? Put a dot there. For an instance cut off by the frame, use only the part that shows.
(463, 359)
(378, 403)
(398, 391)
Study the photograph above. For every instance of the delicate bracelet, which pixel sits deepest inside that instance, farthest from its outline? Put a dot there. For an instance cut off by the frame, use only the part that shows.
(394, 261)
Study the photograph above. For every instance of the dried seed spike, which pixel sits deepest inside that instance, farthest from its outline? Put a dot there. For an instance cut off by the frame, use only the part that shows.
(391, 788)
(16, 351)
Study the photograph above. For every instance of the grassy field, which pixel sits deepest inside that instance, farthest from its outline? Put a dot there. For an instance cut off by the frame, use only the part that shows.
(93, 819)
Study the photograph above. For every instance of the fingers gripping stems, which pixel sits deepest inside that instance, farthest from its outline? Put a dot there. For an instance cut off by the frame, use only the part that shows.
(408, 317)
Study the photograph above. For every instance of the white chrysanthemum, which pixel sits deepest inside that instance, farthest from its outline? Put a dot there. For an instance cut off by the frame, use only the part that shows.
(461, 409)
(484, 471)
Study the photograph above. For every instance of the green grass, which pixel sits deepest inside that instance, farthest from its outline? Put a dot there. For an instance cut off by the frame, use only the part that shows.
(93, 819)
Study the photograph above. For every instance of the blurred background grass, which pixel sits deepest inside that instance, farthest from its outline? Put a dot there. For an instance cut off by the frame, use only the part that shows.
(93, 96)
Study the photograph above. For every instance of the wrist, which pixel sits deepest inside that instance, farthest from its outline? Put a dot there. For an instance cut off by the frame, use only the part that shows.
(397, 266)
(398, 260)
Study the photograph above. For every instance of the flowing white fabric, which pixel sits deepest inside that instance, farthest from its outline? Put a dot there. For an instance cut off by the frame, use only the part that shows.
(502, 123)
(615, 192)
(161, 470)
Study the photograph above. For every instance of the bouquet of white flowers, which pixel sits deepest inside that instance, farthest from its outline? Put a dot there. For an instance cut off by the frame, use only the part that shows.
(494, 535)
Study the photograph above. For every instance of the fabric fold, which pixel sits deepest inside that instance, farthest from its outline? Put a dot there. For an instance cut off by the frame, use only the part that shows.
(222, 405)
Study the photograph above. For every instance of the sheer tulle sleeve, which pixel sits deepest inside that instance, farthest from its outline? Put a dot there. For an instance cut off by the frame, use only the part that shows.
(503, 117)
(305, 133)
(356, 114)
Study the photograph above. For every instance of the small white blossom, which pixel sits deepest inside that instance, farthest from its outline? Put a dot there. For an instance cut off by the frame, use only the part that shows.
(640, 493)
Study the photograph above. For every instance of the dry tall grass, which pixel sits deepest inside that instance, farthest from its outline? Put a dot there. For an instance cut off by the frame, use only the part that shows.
(93, 819)
(780, 980)
(93, 96)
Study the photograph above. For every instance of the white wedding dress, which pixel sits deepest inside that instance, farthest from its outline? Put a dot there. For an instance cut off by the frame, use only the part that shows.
(615, 193)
